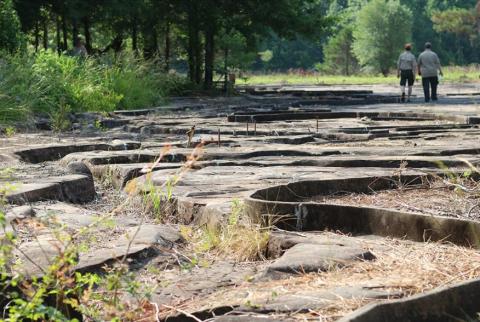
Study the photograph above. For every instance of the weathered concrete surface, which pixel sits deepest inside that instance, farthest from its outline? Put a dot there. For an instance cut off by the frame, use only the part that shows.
(306, 258)
(37, 255)
(375, 141)
(305, 301)
(452, 303)
(56, 152)
(282, 202)
(72, 188)
(279, 242)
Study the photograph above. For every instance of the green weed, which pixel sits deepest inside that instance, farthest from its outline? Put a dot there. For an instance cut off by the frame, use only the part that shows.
(10, 131)
(239, 238)
(59, 118)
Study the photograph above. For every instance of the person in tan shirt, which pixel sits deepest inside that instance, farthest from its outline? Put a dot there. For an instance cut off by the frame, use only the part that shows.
(406, 68)
(429, 68)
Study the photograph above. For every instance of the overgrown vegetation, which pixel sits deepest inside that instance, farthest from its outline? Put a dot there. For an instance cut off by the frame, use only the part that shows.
(48, 84)
(57, 291)
(238, 238)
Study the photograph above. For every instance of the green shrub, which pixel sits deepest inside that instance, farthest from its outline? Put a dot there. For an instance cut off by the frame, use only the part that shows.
(11, 36)
(41, 83)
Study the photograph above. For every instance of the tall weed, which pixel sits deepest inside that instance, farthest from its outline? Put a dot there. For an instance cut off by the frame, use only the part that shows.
(41, 83)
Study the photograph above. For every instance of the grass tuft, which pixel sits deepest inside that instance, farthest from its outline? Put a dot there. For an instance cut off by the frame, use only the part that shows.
(239, 238)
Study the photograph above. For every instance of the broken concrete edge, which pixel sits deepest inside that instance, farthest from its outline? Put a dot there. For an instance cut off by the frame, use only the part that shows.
(198, 316)
(310, 216)
(366, 220)
(313, 114)
(75, 188)
(137, 243)
(44, 153)
(458, 302)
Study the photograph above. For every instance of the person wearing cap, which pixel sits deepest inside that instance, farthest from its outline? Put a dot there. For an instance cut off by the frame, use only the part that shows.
(429, 68)
(406, 67)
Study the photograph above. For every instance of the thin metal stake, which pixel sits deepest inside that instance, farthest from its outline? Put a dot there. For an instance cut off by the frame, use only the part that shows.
(317, 124)
(247, 128)
(219, 137)
(255, 128)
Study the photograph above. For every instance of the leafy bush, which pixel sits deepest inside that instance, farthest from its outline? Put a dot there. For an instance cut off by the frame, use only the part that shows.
(11, 37)
(41, 83)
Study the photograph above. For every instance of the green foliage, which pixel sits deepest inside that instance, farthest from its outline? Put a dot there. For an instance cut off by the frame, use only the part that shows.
(339, 58)
(47, 83)
(10, 131)
(236, 53)
(59, 118)
(141, 83)
(282, 54)
(459, 21)
(383, 26)
(62, 293)
(11, 37)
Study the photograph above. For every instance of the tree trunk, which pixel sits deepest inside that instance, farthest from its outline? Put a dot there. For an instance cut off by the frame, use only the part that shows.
(58, 28)
(88, 36)
(134, 37)
(65, 32)
(347, 60)
(225, 66)
(209, 54)
(74, 31)
(167, 46)
(45, 33)
(191, 56)
(194, 50)
(37, 36)
(198, 57)
(150, 43)
(478, 16)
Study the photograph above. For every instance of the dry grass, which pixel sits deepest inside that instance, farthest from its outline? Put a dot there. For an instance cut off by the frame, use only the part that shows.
(402, 267)
(239, 238)
(453, 74)
(457, 197)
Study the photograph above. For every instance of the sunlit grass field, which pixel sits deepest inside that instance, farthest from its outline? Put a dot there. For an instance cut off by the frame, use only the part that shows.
(452, 74)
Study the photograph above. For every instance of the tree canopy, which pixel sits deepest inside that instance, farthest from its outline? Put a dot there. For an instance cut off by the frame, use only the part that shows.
(177, 31)
(382, 27)
(204, 38)
(11, 37)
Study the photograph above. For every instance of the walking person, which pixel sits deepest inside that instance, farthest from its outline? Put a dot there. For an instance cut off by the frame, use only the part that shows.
(429, 68)
(406, 69)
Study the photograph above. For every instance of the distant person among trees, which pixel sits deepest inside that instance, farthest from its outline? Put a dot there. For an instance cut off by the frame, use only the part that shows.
(79, 50)
(429, 68)
(406, 68)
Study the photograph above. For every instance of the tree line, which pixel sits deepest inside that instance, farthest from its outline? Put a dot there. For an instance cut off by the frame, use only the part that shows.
(205, 38)
(199, 33)
(370, 34)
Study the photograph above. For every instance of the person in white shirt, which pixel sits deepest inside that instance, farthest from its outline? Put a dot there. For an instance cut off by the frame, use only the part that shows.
(406, 67)
(429, 68)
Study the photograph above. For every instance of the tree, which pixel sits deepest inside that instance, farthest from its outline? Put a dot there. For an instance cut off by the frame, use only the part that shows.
(382, 27)
(11, 37)
(459, 21)
(338, 53)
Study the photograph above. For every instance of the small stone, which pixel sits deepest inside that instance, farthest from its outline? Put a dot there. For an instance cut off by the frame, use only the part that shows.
(21, 212)
(306, 258)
